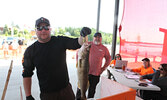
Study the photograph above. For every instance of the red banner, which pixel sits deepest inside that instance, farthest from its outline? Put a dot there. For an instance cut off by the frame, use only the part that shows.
(143, 32)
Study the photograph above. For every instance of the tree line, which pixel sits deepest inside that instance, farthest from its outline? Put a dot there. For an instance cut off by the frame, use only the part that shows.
(67, 31)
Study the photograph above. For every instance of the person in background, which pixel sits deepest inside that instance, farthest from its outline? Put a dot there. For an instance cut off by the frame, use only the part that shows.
(15, 46)
(3, 41)
(5, 48)
(20, 42)
(117, 57)
(145, 69)
(48, 56)
(97, 52)
(159, 78)
(112, 64)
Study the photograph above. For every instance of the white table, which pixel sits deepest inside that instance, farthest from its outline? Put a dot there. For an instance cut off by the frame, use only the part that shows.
(132, 83)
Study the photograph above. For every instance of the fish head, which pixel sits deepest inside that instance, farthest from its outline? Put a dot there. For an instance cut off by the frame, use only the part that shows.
(86, 47)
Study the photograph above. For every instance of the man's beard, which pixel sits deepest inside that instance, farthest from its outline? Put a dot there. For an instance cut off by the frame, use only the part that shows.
(96, 42)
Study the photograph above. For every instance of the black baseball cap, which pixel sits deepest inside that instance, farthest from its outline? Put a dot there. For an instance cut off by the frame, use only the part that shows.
(42, 20)
(146, 59)
(97, 34)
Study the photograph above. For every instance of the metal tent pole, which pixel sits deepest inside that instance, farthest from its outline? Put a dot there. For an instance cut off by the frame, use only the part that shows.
(98, 16)
(115, 27)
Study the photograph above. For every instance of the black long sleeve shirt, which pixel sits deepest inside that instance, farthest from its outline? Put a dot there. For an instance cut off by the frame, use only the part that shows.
(159, 81)
(50, 61)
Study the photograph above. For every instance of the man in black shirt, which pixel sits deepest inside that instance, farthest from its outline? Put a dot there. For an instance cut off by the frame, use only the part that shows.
(48, 56)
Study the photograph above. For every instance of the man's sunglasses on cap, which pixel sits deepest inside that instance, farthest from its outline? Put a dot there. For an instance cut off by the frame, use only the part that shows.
(40, 28)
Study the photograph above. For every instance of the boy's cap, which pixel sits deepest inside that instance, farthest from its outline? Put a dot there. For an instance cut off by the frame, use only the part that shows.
(42, 20)
(146, 59)
(97, 34)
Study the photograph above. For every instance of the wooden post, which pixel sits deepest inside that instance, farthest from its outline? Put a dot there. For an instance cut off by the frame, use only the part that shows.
(7, 80)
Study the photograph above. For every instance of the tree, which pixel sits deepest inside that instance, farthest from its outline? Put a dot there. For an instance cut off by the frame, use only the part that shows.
(75, 32)
(6, 33)
(15, 31)
(61, 31)
(55, 32)
(5, 29)
(90, 37)
(72, 32)
(25, 31)
(20, 34)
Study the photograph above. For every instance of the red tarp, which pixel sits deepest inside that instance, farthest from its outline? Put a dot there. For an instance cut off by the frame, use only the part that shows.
(143, 32)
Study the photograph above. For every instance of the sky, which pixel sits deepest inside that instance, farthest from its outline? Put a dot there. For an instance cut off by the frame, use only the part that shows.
(61, 13)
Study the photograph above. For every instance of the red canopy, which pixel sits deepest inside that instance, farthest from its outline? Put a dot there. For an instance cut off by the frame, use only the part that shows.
(143, 32)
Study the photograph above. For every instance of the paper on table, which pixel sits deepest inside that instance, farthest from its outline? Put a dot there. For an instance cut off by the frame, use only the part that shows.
(131, 73)
(150, 84)
(144, 81)
(120, 70)
(132, 76)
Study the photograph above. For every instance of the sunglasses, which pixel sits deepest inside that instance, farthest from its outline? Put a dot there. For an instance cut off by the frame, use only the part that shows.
(117, 56)
(43, 27)
(161, 69)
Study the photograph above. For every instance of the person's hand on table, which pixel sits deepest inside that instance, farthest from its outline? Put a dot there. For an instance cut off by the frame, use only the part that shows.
(112, 65)
(143, 84)
(141, 78)
(128, 69)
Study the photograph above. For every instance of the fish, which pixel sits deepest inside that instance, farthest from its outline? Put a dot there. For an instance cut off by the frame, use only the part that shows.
(83, 68)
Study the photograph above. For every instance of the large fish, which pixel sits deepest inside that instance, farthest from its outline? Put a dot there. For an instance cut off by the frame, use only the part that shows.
(83, 68)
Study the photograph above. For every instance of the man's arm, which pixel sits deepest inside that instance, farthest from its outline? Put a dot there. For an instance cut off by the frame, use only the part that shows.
(156, 80)
(107, 60)
(148, 76)
(138, 70)
(28, 68)
(27, 85)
